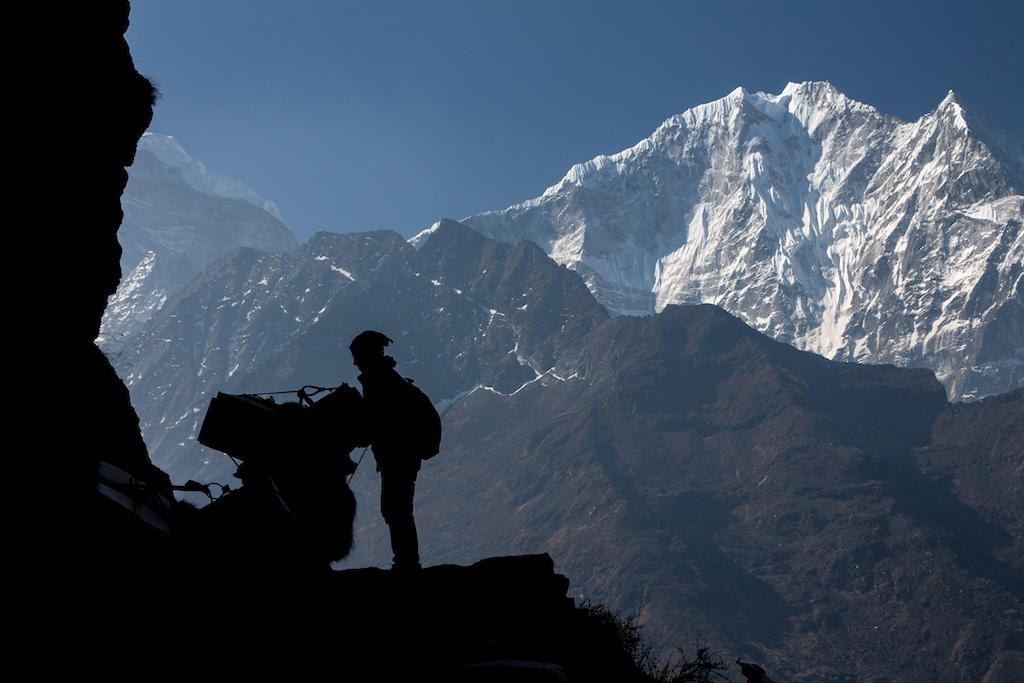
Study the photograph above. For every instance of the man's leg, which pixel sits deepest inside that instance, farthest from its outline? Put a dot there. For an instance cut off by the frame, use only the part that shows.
(397, 490)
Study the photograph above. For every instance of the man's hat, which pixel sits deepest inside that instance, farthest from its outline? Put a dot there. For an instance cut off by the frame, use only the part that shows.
(370, 340)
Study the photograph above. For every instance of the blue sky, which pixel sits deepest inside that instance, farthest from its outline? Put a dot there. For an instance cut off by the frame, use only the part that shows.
(384, 114)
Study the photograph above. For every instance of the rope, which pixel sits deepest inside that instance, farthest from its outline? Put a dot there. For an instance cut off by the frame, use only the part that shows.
(190, 485)
(195, 486)
(299, 392)
(349, 480)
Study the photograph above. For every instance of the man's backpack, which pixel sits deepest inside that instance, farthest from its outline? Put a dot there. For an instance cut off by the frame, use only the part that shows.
(424, 424)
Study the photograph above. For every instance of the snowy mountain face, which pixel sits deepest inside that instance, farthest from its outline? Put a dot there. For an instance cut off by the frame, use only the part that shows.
(817, 220)
(178, 219)
(169, 153)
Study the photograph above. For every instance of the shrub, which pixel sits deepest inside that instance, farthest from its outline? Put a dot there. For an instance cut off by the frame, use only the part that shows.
(704, 666)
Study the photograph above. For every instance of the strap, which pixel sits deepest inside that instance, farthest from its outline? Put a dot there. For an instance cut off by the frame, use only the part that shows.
(358, 462)
(135, 495)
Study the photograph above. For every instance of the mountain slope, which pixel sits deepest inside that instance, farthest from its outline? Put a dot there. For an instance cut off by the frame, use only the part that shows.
(179, 218)
(465, 312)
(795, 510)
(765, 497)
(817, 220)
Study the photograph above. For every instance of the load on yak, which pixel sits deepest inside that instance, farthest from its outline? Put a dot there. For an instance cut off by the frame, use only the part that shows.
(294, 511)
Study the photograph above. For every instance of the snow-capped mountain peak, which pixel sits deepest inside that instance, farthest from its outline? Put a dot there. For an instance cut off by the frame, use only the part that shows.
(817, 219)
(170, 153)
(179, 218)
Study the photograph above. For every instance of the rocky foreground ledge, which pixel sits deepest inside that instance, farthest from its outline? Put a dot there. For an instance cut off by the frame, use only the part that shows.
(503, 618)
(500, 619)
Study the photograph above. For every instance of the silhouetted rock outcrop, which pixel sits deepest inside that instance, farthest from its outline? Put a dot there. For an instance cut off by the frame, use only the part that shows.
(88, 418)
(483, 622)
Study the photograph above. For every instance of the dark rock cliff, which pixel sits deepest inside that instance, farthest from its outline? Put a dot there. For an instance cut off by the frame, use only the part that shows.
(89, 417)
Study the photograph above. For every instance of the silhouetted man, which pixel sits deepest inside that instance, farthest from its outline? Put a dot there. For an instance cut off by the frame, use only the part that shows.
(403, 429)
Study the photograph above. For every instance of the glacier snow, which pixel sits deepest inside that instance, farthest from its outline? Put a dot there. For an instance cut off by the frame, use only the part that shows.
(818, 220)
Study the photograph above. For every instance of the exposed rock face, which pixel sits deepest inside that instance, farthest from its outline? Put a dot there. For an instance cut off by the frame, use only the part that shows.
(178, 219)
(817, 220)
(466, 312)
